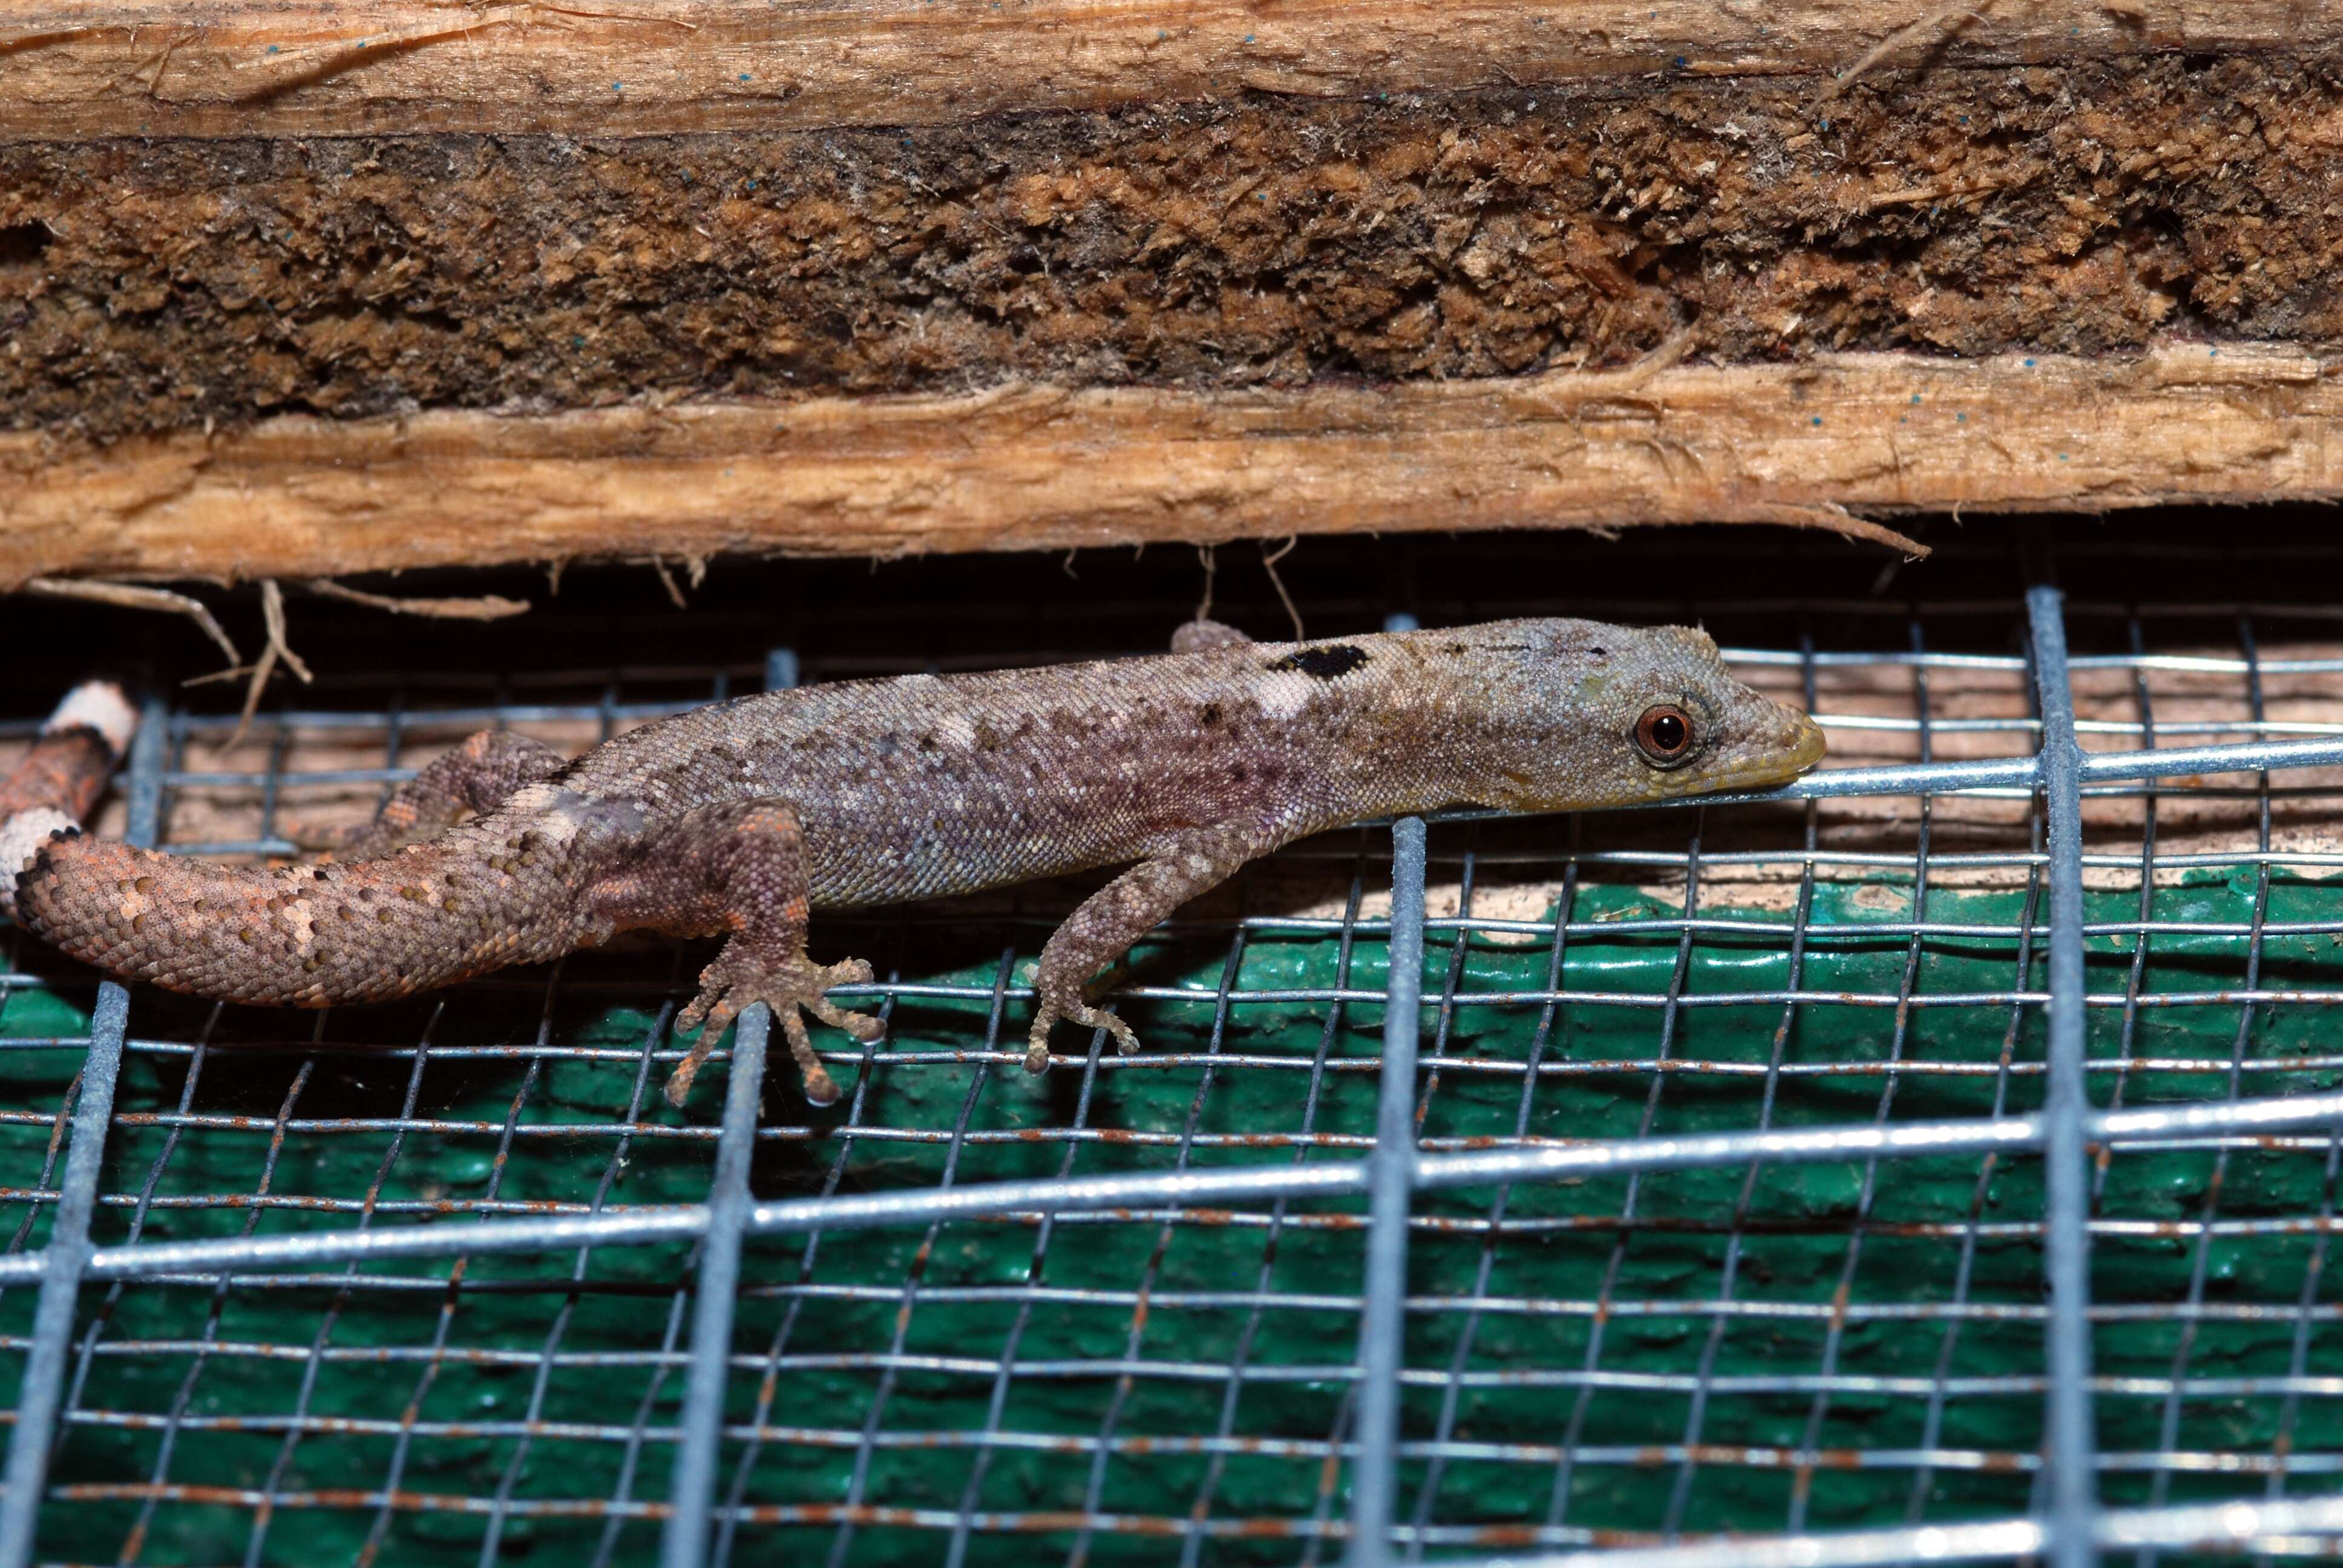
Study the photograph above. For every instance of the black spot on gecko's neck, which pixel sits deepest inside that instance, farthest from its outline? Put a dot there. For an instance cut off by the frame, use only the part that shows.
(1325, 661)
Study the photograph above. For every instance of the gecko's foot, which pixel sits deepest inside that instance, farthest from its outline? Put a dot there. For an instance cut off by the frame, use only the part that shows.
(739, 978)
(1036, 1044)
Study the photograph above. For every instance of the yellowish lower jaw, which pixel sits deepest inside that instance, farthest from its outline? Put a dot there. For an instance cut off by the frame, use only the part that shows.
(1811, 749)
(1759, 772)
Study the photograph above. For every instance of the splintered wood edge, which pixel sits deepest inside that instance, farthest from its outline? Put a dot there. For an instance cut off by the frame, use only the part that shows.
(81, 68)
(1831, 444)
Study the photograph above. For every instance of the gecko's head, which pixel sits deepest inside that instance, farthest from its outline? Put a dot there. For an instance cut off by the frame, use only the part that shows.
(1620, 717)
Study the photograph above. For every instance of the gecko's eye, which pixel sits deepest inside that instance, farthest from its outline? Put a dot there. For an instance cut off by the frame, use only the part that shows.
(1664, 735)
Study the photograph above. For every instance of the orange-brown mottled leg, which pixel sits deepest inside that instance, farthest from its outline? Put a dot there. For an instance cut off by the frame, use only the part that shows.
(476, 778)
(739, 868)
(1111, 919)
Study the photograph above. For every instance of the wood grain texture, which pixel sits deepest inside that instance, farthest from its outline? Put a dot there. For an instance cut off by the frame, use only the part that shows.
(624, 67)
(2091, 207)
(304, 287)
(1021, 467)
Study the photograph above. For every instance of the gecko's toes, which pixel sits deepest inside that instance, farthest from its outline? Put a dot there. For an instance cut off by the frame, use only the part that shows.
(852, 971)
(741, 977)
(821, 1089)
(1126, 1039)
(679, 1082)
(861, 1025)
(1036, 1043)
(695, 1015)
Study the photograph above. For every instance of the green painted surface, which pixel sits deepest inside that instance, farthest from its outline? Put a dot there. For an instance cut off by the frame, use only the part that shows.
(1796, 1228)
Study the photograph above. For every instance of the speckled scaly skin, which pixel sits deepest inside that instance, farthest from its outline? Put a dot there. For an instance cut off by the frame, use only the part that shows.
(742, 817)
(58, 780)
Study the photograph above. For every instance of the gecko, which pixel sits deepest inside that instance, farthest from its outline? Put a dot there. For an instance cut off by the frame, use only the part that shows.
(742, 818)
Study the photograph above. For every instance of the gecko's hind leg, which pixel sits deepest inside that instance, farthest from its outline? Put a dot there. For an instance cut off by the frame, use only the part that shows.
(741, 868)
(1111, 919)
(477, 777)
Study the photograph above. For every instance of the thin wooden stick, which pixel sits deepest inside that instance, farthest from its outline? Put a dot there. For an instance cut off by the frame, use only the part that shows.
(1269, 563)
(129, 596)
(666, 581)
(1934, 29)
(483, 607)
(272, 615)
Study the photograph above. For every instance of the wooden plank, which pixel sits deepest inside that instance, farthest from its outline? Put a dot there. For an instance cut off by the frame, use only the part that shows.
(308, 287)
(633, 67)
(1827, 444)
(147, 286)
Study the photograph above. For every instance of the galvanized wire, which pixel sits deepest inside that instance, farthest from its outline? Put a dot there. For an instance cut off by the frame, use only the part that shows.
(63, 1262)
(2066, 1269)
(363, 1239)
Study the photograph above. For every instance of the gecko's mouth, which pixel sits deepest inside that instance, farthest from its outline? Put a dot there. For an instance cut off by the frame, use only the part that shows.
(1800, 749)
(1811, 749)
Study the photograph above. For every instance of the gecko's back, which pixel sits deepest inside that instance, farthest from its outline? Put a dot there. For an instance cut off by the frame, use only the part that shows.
(923, 785)
(926, 785)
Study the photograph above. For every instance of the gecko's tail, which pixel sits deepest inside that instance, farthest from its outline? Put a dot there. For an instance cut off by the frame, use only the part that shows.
(294, 936)
(61, 778)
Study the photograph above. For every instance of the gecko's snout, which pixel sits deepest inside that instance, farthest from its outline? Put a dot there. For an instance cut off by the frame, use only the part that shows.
(1804, 745)
(1767, 743)
(1787, 748)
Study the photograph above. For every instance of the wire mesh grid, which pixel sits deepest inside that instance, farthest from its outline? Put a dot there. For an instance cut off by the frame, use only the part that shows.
(1946, 1141)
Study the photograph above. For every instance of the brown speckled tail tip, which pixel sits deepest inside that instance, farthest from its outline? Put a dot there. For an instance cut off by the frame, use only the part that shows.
(60, 779)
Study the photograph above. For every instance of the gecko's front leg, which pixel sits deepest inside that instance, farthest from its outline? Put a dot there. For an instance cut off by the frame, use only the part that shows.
(1111, 919)
(738, 867)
